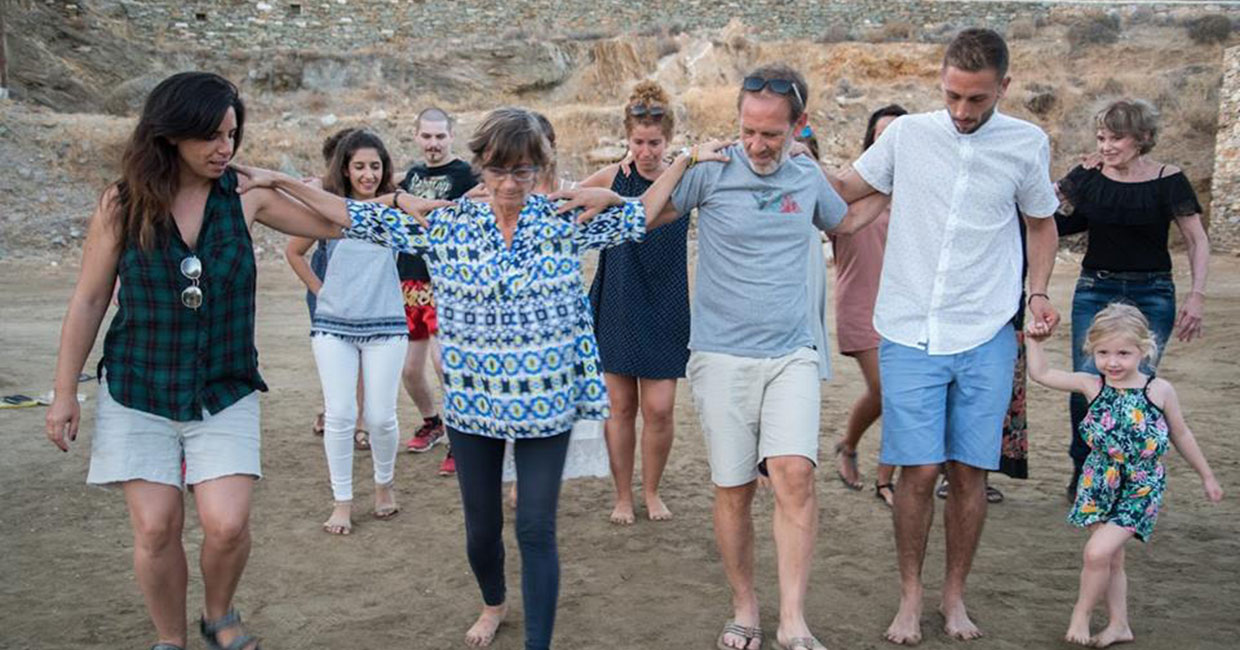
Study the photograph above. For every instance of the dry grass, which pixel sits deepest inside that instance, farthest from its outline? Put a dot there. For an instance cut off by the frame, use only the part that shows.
(1093, 30)
(1212, 28)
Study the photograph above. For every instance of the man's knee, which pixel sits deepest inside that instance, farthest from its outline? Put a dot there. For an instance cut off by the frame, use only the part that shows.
(791, 475)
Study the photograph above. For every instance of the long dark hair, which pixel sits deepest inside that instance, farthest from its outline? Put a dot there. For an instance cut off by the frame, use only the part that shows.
(890, 110)
(187, 105)
(337, 181)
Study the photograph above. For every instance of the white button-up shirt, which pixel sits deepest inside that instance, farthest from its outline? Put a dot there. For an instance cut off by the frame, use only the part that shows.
(952, 269)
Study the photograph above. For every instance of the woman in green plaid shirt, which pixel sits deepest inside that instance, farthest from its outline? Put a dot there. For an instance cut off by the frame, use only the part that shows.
(178, 379)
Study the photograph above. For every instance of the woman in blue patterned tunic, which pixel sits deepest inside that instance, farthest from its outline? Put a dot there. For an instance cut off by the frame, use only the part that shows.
(519, 353)
(640, 297)
(1130, 419)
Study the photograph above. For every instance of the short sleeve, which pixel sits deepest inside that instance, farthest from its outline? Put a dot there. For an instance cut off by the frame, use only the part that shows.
(379, 224)
(616, 225)
(1036, 195)
(693, 188)
(829, 208)
(1179, 200)
(877, 165)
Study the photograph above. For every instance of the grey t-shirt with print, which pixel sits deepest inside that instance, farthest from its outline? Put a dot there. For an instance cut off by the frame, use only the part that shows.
(750, 298)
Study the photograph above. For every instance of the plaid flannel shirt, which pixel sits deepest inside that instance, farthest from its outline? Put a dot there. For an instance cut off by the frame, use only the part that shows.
(164, 358)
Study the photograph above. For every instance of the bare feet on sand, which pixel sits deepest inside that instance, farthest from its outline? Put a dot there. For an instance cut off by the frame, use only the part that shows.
(341, 520)
(655, 508)
(1111, 635)
(622, 514)
(956, 622)
(385, 501)
(1078, 632)
(905, 628)
(482, 632)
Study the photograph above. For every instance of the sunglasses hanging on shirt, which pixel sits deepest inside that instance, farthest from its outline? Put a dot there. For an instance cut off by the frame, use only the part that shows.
(191, 268)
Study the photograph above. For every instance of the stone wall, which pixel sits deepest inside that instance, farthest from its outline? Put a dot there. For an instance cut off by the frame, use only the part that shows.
(351, 24)
(1225, 210)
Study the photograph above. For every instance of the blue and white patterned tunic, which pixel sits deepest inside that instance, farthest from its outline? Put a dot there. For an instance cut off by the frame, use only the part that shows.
(519, 355)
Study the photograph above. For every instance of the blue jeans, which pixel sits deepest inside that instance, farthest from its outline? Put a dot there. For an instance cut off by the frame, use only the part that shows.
(1153, 293)
(479, 469)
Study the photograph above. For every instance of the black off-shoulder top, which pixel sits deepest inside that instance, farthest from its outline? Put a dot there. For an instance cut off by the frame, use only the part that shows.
(1127, 223)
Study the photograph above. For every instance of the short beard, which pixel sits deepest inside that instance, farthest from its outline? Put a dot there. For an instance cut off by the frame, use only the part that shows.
(773, 166)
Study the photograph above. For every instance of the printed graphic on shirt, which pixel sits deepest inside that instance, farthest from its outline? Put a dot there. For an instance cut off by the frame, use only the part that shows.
(434, 187)
(776, 202)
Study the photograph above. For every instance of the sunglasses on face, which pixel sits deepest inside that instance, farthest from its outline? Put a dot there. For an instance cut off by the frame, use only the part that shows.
(642, 110)
(191, 268)
(778, 86)
(522, 174)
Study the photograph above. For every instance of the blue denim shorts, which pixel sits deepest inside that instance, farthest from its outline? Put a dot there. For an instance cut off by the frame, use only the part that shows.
(945, 407)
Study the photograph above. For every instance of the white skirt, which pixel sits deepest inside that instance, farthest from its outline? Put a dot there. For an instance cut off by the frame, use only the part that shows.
(587, 453)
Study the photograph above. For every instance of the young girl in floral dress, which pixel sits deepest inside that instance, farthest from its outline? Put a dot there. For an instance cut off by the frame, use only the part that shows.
(1130, 421)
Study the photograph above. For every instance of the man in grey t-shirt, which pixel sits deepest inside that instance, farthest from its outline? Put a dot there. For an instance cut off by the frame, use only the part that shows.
(753, 370)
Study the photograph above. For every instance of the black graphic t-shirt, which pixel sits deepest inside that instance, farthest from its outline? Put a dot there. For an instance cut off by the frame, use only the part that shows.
(449, 182)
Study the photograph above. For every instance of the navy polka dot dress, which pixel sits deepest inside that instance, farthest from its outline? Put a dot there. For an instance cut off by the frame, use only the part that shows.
(640, 298)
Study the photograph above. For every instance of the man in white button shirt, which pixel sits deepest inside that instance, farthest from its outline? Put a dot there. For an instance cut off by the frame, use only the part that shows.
(950, 285)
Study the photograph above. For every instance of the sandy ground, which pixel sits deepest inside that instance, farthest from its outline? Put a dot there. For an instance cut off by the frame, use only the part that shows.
(66, 579)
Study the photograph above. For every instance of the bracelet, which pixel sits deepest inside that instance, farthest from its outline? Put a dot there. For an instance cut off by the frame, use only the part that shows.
(693, 156)
(1037, 295)
(396, 198)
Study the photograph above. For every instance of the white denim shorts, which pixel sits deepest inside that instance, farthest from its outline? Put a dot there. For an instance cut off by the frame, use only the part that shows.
(752, 409)
(129, 444)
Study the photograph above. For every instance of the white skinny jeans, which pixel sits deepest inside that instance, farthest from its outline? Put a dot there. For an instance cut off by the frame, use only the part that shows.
(381, 362)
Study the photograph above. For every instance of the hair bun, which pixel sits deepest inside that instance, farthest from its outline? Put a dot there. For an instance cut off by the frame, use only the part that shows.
(649, 92)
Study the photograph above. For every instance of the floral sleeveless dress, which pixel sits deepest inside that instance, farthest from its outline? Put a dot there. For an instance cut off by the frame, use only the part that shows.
(1123, 479)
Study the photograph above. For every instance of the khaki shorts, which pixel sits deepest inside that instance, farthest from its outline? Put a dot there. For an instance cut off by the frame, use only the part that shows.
(129, 444)
(752, 409)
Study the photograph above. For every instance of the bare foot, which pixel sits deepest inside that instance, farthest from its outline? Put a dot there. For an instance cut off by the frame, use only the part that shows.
(1111, 635)
(482, 632)
(846, 466)
(905, 628)
(656, 509)
(957, 624)
(341, 521)
(1078, 632)
(622, 514)
(385, 502)
(751, 640)
(512, 496)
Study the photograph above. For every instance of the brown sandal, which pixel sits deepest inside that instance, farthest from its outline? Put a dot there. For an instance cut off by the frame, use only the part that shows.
(361, 439)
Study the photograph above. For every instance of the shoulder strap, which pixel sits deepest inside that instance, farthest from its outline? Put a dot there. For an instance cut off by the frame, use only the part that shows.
(1161, 170)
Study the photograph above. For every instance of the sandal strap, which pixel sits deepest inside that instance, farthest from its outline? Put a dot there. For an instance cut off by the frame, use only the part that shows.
(229, 619)
(745, 632)
(166, 646)
(241, 642)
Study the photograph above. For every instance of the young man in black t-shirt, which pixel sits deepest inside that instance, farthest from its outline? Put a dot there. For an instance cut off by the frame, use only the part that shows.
(441, 175)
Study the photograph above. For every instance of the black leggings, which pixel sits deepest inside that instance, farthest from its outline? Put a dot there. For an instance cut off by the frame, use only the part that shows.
(479, 471)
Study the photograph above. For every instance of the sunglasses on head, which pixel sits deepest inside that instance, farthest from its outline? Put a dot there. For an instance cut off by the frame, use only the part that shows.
(778, 86)
(642, 110)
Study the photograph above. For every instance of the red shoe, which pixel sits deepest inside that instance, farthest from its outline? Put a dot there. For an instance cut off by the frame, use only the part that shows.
(448, 466)
(427, 436)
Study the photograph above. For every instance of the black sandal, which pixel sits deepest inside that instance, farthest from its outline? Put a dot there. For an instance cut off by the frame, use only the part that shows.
(993, 495)
(211, 629)
(851, 458)
(878, 493)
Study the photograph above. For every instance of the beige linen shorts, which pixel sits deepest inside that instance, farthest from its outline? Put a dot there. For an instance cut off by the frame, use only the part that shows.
(129, 444)
(752, 409)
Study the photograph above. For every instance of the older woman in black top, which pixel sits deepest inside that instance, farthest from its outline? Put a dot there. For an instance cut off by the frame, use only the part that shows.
(1127, 204)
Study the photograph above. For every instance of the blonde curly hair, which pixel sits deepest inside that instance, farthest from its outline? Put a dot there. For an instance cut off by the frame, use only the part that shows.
(649, 93)
(1120, 319)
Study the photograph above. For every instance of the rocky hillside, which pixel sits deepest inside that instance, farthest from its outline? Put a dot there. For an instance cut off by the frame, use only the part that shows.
(81, 72)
